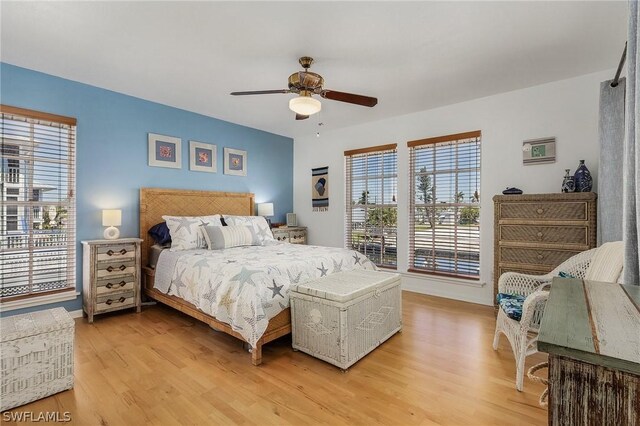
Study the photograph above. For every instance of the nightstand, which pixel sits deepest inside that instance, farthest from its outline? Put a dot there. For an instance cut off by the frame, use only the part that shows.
(110, 275)
(291, 234)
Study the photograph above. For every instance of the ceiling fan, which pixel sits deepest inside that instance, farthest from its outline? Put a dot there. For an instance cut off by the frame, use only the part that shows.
(305, 84)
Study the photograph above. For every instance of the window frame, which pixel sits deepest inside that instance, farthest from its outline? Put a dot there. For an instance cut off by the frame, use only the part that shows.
(30, 119)
(349, 181)
(413, 147)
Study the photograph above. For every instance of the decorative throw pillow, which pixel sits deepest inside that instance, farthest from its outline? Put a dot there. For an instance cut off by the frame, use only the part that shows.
(221, 237)
(259, 224)
(160, 233)
(185, 230)
(511, 304)
(563, 274)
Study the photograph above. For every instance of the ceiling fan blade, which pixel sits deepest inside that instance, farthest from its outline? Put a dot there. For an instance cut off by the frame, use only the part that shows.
(349, 97)
(260, 92)
(301, 117)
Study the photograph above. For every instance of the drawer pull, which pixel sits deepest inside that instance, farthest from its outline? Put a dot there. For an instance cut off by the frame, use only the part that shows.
(540, 211)
(540, 256)
(111, 268)
(110, 301)
(111, 252)
(116, 285)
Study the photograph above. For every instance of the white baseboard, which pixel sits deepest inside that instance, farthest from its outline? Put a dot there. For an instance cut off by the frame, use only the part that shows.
(76, 314)
(465, 293)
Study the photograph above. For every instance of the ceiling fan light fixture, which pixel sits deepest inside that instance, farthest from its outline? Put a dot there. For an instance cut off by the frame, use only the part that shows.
(305, 105)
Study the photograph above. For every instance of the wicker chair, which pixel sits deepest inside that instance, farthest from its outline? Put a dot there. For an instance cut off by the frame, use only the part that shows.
(523, 334)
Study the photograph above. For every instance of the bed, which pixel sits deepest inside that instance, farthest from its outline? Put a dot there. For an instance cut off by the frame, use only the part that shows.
(242, 291)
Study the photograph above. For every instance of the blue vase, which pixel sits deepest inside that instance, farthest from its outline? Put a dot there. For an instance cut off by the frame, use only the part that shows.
(569, 182)
(582, 178)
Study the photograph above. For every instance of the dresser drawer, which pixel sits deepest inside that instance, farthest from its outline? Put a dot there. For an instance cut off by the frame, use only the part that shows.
(116, 252)
(526, 256)
(545, 234)
(115, 301)
(115, 269)
(281, 236)
(115, 285)
(539, 270)
(544, 211)
(298, 237)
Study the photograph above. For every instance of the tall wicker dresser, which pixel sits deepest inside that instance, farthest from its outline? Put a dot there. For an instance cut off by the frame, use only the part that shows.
(534, 233)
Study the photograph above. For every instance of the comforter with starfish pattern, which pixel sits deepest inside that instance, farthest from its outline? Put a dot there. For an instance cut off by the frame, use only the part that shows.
(246, 286)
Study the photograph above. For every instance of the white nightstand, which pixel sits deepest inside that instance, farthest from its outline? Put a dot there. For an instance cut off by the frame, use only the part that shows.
(291, 234)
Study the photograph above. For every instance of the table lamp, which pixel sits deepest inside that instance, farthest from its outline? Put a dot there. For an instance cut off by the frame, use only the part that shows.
(111, 218)
(265, 209)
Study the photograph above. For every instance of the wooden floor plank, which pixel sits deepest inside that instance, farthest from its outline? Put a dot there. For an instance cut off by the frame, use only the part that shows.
(161, 367)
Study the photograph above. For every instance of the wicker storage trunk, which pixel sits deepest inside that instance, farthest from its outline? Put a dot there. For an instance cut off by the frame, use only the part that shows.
(36, 353)
(343, 317)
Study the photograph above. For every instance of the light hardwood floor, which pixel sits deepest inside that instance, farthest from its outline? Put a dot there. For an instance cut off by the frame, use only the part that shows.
(162, 367)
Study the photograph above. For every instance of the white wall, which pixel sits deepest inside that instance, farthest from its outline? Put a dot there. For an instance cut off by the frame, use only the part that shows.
(566, 109)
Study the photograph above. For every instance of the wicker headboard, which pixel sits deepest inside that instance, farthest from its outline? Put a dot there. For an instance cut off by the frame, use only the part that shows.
(156, 202)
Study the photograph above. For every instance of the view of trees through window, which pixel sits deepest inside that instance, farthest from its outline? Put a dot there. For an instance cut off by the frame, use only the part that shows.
(444, 222)
(372, 210)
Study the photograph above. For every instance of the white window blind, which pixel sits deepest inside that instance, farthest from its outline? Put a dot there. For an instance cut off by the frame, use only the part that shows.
(371, 206)
(444, 210)
(37, 218)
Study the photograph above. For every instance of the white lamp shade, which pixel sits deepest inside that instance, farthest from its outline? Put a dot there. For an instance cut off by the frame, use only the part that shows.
(305, 105)
(111, 217)
(265, 209)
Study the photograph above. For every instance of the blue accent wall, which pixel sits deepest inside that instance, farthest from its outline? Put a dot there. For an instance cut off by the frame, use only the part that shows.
(112, 153)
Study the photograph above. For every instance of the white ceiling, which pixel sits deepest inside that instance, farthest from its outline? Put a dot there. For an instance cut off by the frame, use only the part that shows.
(412, 55)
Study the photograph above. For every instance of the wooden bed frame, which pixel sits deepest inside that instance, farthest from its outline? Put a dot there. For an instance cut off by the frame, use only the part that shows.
(154, 203)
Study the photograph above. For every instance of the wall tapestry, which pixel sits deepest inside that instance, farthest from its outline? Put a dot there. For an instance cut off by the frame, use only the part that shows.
(320, 189)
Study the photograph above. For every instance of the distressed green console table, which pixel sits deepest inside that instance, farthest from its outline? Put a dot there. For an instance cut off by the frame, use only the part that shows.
(591, 331)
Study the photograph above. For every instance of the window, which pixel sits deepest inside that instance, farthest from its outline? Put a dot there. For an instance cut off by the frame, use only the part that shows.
(372, 209)
(11, 211)
(444, 210)
(12, 167)
(36, 210)
(37, 222)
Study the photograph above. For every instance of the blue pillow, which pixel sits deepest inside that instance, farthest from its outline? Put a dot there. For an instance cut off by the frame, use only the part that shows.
(160, 233)
(563, 274)
(511, 304)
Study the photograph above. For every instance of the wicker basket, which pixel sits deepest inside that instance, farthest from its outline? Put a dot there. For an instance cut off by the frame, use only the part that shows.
(343, 317)
(36, 353)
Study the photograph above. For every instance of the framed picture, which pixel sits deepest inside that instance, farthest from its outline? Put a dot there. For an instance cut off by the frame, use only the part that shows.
(235, 162)
(203, 157)
(292, 220)
(165, 151)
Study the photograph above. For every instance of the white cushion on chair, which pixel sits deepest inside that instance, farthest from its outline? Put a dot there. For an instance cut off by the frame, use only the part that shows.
(606, 264)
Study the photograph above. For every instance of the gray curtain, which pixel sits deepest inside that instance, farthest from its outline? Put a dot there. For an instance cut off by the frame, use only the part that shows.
(610, 181)
(631, 205)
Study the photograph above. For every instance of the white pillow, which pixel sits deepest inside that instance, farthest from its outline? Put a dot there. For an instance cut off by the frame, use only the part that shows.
(185, 230)
(259, 224)
(221, 237)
